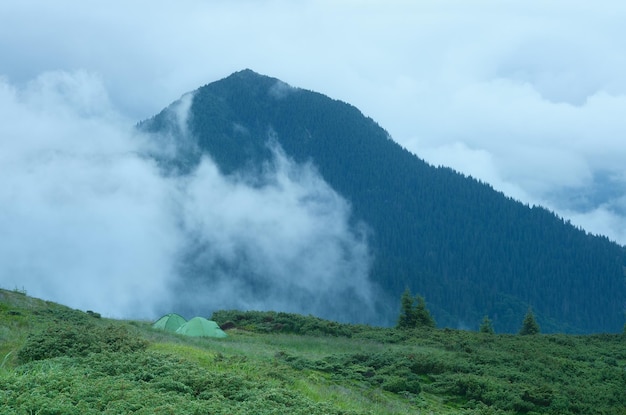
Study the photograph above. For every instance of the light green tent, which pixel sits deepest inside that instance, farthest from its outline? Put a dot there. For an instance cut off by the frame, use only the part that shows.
(169, 322)
(201, 327)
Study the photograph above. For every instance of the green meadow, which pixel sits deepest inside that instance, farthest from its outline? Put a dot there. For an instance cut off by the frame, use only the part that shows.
(55, 360)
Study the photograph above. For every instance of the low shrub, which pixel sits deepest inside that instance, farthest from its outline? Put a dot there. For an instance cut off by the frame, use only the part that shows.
(279, 322)
(397, 384)
(389, 371)
(146, 382)
(79, 340)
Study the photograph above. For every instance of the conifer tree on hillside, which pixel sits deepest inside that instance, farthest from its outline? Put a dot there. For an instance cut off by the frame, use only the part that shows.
(529, 325)
(413, 312)
(486, 326)
(422, 315)
(407, 317)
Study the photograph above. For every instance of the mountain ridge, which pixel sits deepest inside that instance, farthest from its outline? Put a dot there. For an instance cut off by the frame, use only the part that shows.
(469, 249)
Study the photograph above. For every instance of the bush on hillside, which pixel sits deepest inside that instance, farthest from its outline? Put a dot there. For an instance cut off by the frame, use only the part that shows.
(389, 371)
(148, 383)
(79, 340)
(272, 321)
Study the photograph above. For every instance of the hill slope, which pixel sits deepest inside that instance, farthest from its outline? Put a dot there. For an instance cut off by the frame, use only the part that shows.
(58, 360)
(468, 249)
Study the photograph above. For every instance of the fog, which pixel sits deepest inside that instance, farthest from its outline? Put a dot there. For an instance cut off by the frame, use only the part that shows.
(91, 221)
(282, 241)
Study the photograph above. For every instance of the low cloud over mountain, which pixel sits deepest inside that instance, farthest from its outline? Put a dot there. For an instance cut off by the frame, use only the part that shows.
(90, 220)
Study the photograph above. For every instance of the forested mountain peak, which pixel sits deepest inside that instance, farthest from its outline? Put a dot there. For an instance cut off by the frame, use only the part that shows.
(468, 249)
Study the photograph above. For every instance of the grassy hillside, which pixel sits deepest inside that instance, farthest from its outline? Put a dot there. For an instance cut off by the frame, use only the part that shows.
(54, 360)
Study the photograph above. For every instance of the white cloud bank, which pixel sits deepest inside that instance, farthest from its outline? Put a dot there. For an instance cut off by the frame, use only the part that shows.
(83, 216)
(89, 221)
(282, 241)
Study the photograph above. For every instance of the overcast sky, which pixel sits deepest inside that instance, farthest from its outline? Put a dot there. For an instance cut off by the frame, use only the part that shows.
(529, 96)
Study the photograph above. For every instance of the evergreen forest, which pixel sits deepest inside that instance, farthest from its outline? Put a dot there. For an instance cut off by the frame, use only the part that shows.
(469, 250)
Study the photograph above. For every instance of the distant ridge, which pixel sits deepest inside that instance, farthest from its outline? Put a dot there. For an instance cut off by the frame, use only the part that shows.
(468, 249)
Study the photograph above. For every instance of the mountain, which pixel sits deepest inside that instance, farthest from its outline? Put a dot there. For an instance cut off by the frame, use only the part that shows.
(468, 249)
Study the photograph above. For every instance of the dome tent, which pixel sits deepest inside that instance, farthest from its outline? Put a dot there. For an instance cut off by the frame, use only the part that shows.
(169, 322)
(201, 327)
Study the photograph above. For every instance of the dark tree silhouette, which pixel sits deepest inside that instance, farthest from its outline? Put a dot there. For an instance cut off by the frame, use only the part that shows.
(529, 325)
(413, 312)
(486, 326)
(422, 315)
(407, 318)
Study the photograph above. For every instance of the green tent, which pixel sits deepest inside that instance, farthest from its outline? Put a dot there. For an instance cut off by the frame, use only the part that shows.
(201, 327)
(169, 322)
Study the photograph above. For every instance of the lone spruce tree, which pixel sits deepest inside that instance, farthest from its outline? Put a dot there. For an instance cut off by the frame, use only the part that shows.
(529, 325)
(486, 326)
(413, 312)
(407, 318)
(422, 315)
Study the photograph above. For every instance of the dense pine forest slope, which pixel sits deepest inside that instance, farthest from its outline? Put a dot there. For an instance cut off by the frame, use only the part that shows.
(56, 360)
(468, 249)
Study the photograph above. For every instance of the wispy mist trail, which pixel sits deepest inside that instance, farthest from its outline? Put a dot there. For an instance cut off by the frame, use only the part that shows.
(90, 220)
(281, 241)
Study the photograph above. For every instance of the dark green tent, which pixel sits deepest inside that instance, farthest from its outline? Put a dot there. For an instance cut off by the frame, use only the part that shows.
(201, 327)
(169, 322)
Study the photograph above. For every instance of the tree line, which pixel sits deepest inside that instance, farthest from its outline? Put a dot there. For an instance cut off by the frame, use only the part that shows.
(414, 314)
